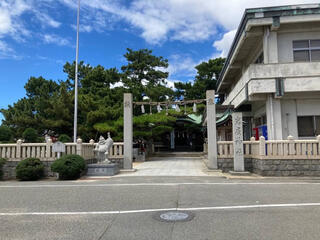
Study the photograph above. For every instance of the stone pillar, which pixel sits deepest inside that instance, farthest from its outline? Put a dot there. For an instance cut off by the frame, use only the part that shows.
(211, 130)
(274, 118)
(238, 159)
(270, 46)
(292, 151)
(127, 128)
(318, 139)
(48, 148)
(18, 150)
(172, 140)
(79, 147)
(262, 146)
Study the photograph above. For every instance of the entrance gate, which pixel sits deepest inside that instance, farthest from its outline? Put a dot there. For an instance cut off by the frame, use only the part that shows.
(211, 132)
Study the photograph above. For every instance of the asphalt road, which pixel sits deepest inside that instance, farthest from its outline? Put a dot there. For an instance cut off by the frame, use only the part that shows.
(125, 208)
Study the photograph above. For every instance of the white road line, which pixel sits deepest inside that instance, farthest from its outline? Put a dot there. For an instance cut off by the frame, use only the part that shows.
(154, 184)
(162, 210)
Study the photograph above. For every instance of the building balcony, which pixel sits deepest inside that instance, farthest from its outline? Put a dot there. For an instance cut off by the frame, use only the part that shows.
(260, 79)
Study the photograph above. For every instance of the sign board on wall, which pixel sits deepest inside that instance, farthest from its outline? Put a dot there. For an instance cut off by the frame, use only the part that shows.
(59, 147)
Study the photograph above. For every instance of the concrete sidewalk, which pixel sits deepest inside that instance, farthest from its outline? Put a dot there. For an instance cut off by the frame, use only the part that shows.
(172, 166)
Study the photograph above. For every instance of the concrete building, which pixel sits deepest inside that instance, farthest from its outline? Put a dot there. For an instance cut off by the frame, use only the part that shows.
(273, 71)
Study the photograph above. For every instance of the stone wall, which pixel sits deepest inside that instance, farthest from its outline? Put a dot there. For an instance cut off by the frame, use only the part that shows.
(296, 167)
(119, 161)
(9, 169)
(226, 164)
(276, 168)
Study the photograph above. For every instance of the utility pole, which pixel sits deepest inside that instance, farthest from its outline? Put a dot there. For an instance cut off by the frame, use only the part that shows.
(75, 123)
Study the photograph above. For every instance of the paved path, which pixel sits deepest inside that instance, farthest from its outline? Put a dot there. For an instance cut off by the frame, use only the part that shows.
(172, 166)
(125, 209)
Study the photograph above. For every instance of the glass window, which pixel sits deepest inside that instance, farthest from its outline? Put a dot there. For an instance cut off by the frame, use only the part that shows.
(315, 55)
(315, 43)
(301, 56)
(301, 44)
(305, 126)
(306, 50)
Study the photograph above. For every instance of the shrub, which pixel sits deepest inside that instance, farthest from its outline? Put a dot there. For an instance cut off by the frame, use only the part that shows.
(69, 167)
(30, 169)
(5, 134)
(64, 138)
(2, 162)
(30, 135)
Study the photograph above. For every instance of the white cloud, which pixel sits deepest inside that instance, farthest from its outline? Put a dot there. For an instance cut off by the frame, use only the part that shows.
(83, 28)
(7, 52)
(55, 39)
(10, 24)
(170, 83)
(187, 20)
(13, 26)
(157, 21)
(117, 84)
(5, 21)
(181, 65)
(46, 20)
(225, 43)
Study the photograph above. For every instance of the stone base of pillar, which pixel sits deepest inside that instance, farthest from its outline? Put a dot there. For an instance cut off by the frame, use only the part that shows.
(100, 169)
(128, 170)
(209, 168)
(213, 170)
(233, 173)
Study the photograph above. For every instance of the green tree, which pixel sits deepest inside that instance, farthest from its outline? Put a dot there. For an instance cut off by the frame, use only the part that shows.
(206, 79)
(5, 134)
(21, 116)
(31, 111)
(144, 75)
(69, 69)
(59, 114)
(30, 135)
(49, 105)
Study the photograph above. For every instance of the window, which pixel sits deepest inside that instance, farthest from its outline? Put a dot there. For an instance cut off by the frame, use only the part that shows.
(308, 126)
(306, 50)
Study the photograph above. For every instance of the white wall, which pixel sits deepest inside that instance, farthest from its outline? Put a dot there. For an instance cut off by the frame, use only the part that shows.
(291, 109)
(307, 107)
(285, 114)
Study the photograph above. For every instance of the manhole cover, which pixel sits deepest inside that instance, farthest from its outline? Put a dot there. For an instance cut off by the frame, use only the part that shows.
(174, 216)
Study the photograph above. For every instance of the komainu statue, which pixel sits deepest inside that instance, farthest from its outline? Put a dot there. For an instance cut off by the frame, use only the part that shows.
(103, 148)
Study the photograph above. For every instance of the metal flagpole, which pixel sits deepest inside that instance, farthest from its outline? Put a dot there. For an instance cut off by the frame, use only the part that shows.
(76, 81)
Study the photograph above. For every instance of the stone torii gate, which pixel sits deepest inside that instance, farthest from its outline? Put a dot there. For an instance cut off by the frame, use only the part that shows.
(211, 131)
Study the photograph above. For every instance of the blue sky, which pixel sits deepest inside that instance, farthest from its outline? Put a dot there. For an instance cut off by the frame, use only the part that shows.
(38, 36)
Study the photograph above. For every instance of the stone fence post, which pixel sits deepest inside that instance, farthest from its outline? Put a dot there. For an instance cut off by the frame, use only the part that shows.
(291, 145)
(91, 142)
(18, 149)
(253, 149)
(48, 148)
(79, 147)
(262, 146)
